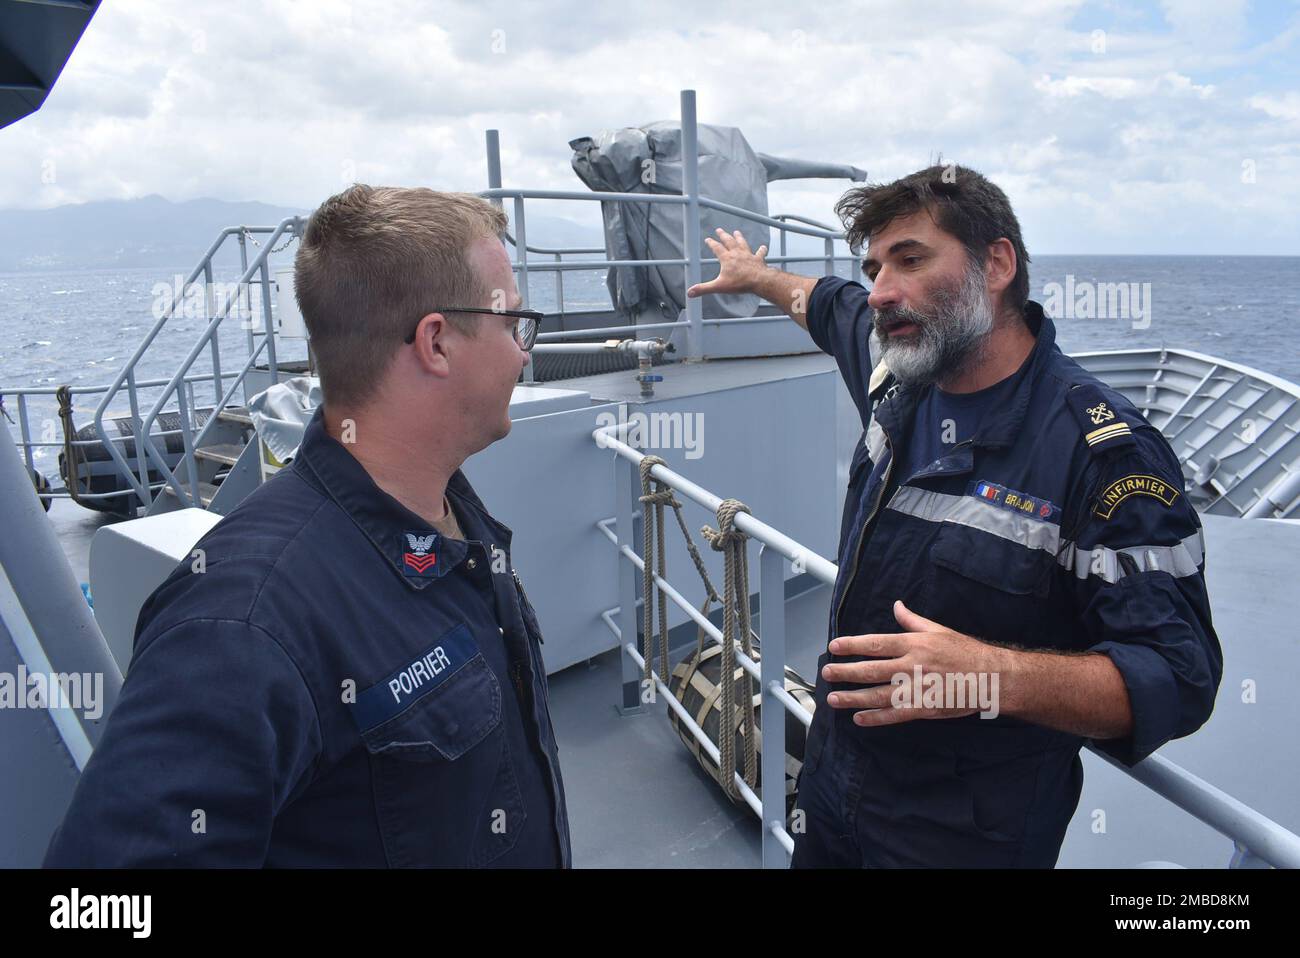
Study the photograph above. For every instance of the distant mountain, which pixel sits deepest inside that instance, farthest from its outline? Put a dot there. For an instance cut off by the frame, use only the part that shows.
(556, 232)
(150, 231)
(155, 232)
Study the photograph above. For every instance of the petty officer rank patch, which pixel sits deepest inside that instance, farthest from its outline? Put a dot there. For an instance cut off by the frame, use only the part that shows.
(394, 694)
(1136, 485)
(996, 495)
(419, 560)
(1103, 427)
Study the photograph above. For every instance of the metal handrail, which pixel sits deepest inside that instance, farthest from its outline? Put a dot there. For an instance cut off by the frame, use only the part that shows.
(505, 193)
(675, 199)
(689, 198)
(1256, 837)
(27, 444)
(711, 630)
(208, 339)
(763, 220)
(821, 568)
(575, 266)
(803, 219)
(778, 844)
(193, 442)
(546, 250)
(52, 390)
(126, 375)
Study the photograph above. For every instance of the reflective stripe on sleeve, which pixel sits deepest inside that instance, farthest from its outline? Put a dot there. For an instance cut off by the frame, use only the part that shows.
(1183, 559)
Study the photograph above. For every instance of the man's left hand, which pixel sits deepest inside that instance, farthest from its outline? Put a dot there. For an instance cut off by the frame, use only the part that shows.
(933, 647)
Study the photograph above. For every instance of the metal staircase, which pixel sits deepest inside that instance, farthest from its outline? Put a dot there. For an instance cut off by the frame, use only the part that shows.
(217, 449)
(228, 460)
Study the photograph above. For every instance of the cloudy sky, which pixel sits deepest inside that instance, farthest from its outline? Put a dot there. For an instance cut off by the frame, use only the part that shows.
(1161, 127)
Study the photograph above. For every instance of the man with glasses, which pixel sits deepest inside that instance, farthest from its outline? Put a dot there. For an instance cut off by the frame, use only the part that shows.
(355, 676)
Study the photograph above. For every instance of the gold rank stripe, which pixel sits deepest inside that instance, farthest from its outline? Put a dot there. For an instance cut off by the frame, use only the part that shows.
(1108, 432)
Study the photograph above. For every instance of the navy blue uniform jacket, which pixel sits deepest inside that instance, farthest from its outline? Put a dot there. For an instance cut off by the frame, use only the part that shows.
(1062, 525)
(329, 683)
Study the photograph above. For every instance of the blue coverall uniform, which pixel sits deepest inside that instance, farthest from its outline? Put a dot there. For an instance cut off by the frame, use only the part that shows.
(329, 682)
(1062, 524)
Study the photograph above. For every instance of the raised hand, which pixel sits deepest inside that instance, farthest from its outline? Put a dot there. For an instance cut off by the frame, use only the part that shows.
(741, 267)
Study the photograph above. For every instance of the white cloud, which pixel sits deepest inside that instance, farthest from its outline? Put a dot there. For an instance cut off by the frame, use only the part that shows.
(287, 101)
(1220, 24)
(1280, 107)
(1124, 88)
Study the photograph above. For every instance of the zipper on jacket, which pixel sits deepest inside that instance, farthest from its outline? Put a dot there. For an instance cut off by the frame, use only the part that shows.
(857, 551)
(557, 791)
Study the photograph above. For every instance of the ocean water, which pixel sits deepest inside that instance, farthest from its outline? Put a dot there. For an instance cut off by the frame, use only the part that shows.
(79, 327)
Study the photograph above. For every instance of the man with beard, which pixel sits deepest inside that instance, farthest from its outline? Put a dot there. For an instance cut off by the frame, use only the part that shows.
(1018, 560)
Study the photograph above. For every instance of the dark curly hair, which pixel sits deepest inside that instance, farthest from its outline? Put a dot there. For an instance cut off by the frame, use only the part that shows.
(962, 202)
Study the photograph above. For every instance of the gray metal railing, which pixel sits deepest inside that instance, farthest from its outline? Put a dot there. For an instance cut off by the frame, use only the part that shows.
(192, 436)
(690, 198)
(524, 267)
(1257, 840)
(28, 445)
(177, 392)
(777, 548)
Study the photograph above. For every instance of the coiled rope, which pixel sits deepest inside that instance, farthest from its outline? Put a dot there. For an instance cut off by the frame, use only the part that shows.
(731, 543)
(655, 495)
(71, 451)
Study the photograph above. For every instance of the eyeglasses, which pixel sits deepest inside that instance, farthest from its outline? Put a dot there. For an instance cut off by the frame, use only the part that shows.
(528, 322)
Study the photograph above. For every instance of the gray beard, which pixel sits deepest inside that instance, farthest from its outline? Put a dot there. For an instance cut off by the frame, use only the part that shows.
(953, 331)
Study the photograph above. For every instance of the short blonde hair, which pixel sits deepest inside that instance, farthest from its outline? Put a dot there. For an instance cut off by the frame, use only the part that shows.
(373, 260)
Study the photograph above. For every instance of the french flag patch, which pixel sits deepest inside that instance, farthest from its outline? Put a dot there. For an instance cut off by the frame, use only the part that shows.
(1026, 505)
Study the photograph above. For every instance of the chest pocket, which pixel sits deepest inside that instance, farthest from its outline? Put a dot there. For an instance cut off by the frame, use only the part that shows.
(983, 584)
(1007, 566)
(444, 783)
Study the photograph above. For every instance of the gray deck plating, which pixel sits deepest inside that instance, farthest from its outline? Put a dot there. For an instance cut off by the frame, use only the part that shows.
(638, 798)
(1247, 749)
(75, 527)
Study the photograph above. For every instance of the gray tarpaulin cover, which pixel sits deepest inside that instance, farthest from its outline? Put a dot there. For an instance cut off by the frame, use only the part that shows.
(281, 413)
(648, 159)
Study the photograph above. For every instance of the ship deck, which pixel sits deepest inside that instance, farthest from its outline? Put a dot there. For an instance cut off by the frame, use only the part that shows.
(637, 797)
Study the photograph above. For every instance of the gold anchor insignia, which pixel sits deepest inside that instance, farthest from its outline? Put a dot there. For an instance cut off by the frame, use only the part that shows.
(1100, 413)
